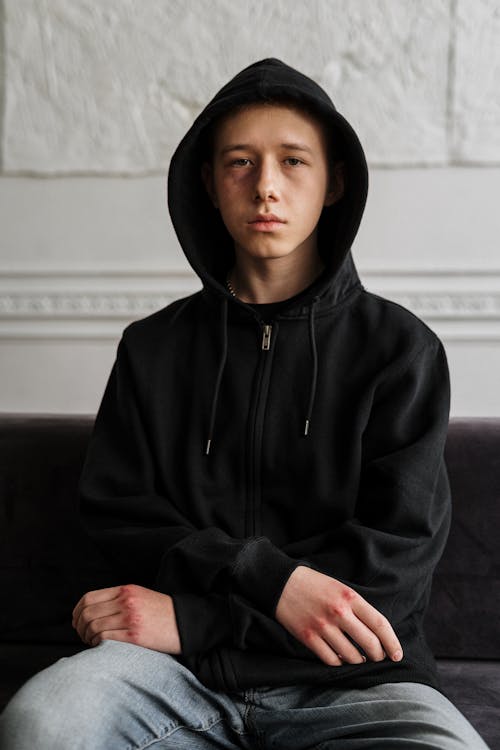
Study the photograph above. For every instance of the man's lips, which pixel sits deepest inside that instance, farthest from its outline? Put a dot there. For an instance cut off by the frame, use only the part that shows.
(266, 217)
(266, 222)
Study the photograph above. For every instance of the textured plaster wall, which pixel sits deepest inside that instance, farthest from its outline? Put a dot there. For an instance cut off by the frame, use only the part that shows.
(109, 87)
(94, 97)
(2, 79)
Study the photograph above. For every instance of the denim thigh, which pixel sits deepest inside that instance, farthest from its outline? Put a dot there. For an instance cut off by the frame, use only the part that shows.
(118, 696)
(390, 715)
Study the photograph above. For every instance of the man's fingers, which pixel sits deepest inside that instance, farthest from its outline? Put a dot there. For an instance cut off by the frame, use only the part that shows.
(94, 627)
(364, 638)
(120, 634)
(94, 597)
(322, 649)
(378, 625)
(343, 647)
(94, 612)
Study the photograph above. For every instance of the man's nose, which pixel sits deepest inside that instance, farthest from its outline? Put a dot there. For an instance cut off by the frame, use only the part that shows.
(267, 180)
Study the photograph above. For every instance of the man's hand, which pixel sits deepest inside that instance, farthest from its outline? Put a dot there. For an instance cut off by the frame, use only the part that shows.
(317, 610)
(128, 613)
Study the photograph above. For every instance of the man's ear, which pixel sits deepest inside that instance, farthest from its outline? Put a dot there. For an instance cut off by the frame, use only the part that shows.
(207, 177)
(336, 186)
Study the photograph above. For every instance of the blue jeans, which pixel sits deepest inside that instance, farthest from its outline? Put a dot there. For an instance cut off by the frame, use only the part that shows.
(117, 696)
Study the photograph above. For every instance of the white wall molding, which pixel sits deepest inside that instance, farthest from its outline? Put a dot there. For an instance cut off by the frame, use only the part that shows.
(90, 304)
(460, 304)
(62, 305)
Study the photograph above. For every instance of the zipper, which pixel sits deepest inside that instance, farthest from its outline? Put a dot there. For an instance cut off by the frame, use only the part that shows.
(266, 335)
(252, 524)
(252, 527)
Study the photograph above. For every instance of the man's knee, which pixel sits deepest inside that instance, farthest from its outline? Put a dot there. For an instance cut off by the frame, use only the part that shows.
(90, 699)
(57, 706)
(435, 718)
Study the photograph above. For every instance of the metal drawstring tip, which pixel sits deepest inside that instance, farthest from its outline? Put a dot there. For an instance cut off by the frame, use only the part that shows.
(306, 430)
(208, 446)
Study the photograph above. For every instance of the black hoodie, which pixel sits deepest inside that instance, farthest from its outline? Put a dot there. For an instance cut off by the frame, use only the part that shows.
(218, 464)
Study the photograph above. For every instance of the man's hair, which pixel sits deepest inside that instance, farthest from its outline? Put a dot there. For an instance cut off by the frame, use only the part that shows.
(334, 144)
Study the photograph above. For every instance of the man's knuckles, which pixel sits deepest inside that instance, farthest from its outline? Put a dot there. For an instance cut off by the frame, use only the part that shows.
(337, 611)
(308, 635)
(348, 595)
(130, 592)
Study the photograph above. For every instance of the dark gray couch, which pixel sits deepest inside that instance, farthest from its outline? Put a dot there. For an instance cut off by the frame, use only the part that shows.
(47, 564)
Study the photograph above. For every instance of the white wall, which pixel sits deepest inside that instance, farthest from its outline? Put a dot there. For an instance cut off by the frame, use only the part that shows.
(94, 97)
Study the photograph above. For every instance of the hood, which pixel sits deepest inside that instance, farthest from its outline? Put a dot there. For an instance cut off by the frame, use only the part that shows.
(198, 224)
(201, 232)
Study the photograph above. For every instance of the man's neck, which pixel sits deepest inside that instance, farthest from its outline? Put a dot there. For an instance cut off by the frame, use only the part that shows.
(272, 282)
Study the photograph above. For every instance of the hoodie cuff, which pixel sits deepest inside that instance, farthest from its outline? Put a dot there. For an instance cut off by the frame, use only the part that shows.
(261, 572)
(203, 622)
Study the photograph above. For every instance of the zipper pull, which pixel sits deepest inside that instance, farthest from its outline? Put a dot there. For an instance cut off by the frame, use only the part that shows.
(266, 336)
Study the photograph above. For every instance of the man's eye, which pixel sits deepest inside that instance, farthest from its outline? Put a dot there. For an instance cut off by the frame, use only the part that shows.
(238, 162)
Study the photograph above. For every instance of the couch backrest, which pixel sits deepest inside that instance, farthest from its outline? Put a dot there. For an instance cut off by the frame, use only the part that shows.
(46, 563)
(463, 618)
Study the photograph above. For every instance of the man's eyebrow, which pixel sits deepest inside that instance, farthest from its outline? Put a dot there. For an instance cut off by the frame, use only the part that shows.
(244, 146)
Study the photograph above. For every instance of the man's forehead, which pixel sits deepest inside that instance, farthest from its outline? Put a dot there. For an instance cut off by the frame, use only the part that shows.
(288, 145)
(247, 128)
(261, 112)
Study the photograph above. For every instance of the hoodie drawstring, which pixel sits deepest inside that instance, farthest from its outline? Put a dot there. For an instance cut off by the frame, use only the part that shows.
(219, 374)
(215, 398)
(312, 337)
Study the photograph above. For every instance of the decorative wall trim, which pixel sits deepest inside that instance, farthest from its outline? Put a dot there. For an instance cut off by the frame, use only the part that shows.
(478, 306)
(78, 305)
(460, 304)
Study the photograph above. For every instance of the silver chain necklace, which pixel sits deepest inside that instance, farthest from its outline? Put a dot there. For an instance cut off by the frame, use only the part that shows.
(229, 286)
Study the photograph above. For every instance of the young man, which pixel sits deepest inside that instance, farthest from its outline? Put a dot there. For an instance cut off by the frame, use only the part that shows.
(266, 470)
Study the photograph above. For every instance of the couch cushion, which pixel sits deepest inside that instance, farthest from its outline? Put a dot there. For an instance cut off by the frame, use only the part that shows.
(463, 618)
(474, 688)
(46, 561)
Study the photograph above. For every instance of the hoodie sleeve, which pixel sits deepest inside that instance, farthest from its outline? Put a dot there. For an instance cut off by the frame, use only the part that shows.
(215, 620)
(139, 530)
(388, 551)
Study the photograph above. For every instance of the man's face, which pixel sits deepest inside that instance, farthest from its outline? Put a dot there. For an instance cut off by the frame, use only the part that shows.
(254, 172)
